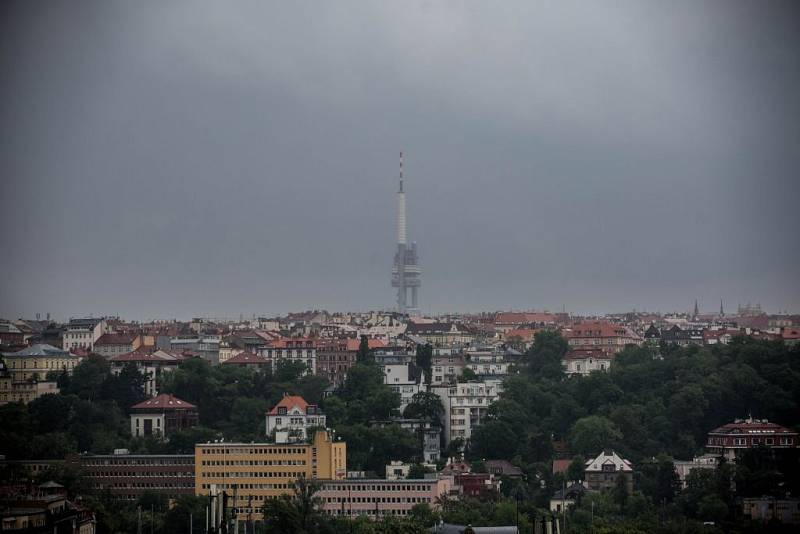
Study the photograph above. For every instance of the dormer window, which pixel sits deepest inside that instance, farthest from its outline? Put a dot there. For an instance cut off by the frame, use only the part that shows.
(281, 410)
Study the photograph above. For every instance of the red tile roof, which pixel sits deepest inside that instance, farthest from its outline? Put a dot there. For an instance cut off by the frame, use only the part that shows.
(289, 402)
(752, 426)
(590, 329)
(246, 358)
(115, 339)
(354, 344)
(163, 402)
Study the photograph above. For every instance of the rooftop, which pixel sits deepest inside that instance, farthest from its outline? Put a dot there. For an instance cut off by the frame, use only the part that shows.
(164, 401)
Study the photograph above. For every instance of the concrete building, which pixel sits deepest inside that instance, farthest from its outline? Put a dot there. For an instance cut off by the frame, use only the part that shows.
(486, 362)
(405, 272)
(82, 333)
(732, 439)
(465, 405)
(162, 415)
(128, 476)
(377, 498)
(706, 461)
(290, 420)
(300, 350)
(255, 472)
(446, 369)
(603, 471)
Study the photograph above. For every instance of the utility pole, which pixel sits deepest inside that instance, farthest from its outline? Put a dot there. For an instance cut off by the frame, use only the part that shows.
(190, 523)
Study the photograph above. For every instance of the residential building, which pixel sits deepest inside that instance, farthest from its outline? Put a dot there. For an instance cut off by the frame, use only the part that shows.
(503, 468)
(609, 337)
(376, 498)
(732, 439)
(465, 405)
(397, 470)
(161, 416)
(300, 350)
(290, 420)
(255, 472)
(486, 362)
(335, 357)
(23, 377)
(247, 360)
(109, 345)
(482, 486)
(10, 335)
(228, 349)
(682, 337)
(127, 476)
(150, 364)
(45, 511)
(566, 497)
(446, 369)
(585, 361)
(404, 379)
(440, 334)
(206, 345)
(603, 471)
(82, 333)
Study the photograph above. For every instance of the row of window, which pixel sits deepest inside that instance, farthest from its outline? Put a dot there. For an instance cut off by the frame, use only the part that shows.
(142, 474)
(753, 441)
(378, 487)
(240, 450)
(253, 474)
(252, 462)
(139, 461)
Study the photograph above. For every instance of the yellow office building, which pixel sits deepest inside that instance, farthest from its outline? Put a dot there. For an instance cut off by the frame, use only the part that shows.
(255, 472)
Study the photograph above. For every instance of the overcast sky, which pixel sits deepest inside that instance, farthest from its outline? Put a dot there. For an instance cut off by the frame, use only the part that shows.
(181, 159)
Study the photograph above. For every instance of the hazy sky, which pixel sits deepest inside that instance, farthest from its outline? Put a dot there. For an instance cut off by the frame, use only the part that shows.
(178, 159)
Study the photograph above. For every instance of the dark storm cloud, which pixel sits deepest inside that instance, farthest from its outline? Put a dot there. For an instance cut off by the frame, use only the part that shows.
(186, 158)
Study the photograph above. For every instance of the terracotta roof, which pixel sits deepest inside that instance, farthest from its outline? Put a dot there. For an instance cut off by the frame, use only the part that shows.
(163, 402)
(354, 344)
(582, 354)
(115, 339)
(245, 358)
(590, 329)
(560, 465)
(289, 402)
(752, 426)
(526, 334)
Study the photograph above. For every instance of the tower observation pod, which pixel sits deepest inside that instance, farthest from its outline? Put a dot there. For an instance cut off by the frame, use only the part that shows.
(405, 272)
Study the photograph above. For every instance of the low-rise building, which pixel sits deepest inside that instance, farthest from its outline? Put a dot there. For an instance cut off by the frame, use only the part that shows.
(128, 476)
(609, 337)
(683, 468)
(404, 379)
(256, 472)
(162, 415)
(109, 345)
(23, 377)
(247, 360)
(566, 497)
(732, 439)
(768, 509)
(585, 361)
(377, 498)
(44, 511)
(603, 471)
(290, 420)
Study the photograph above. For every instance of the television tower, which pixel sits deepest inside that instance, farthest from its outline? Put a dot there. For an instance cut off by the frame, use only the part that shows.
(405, 272)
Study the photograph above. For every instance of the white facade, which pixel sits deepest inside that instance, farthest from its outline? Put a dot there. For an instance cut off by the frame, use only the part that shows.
(82, 333)
(465, 405)
(304, 355)
(584, 366)
(397, 377)
(138, 422)
(291, 419)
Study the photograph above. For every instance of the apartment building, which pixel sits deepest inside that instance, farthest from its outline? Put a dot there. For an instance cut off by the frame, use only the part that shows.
(109, 345)
(585, 361)
(295, 350)
(83, 333)
(255, 472)
(465, 405)
(149, 364)
(446, 368)
(376, 498)
(404, 379)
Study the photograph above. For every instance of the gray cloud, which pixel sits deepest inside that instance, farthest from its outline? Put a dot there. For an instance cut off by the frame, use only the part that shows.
(190, 158)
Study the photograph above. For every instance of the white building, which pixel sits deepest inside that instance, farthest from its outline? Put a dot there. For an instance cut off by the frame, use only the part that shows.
(82, 333)
(583, 362)
(486, 363)
(465, 405)
(150, 364)
(291, 419)
(400, 377)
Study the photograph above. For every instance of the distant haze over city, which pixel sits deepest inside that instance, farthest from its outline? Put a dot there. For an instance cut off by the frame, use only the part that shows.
(178, 160)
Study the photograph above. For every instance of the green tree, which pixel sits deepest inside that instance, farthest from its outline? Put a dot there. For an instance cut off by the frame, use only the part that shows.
(592, 434)
(424, 360)
(364, 354)
(88, 377)
(545, 355)
(424, 405)
(577, 468)
(177, 518)
(467, 375)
